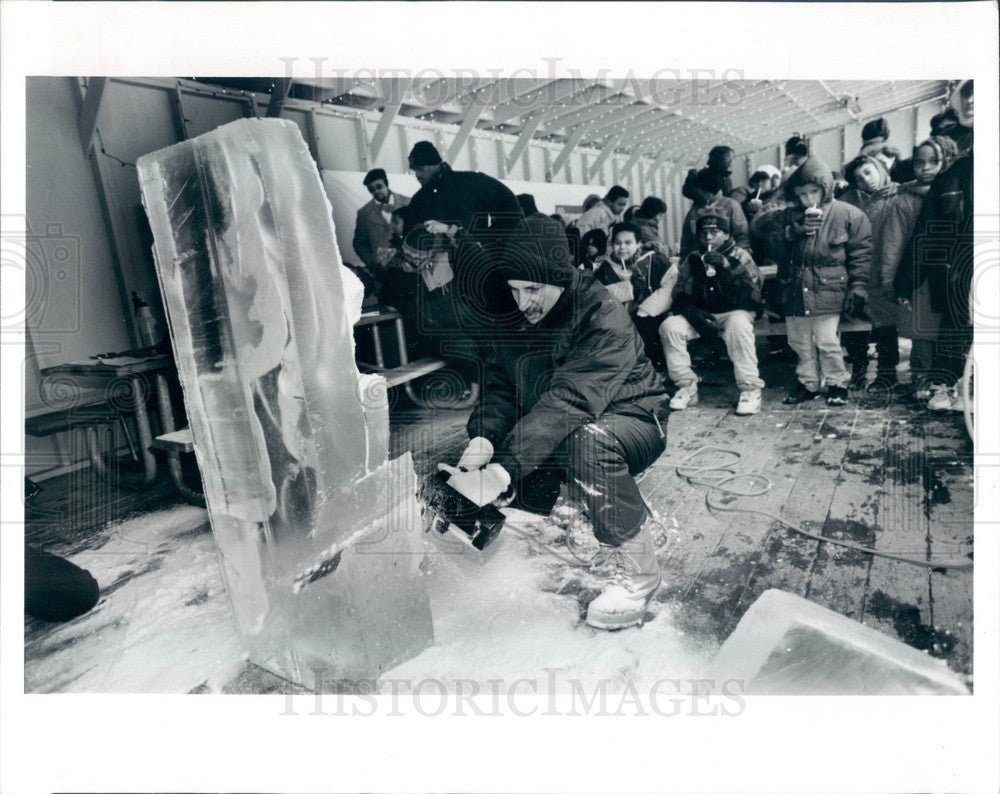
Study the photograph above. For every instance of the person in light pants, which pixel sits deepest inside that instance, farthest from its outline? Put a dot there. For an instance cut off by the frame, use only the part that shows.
(816, 342)
(717, 293)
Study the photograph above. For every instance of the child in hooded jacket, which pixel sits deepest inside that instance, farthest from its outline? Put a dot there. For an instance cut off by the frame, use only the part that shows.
(916, 320)
(824, 259)
(872, 191)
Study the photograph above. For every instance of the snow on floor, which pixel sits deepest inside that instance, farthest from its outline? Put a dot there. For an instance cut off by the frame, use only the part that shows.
(518, 615)
(164, 624)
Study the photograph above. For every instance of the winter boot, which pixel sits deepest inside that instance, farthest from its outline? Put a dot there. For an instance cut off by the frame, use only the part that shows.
(636, 576)
(800, 395)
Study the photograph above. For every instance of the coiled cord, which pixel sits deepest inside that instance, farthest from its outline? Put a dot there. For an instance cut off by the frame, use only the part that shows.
(696, 475)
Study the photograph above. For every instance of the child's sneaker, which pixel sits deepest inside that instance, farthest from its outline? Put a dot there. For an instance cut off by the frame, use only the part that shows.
(800, 395)
(941, 398)
(749, 403)
(836, 395)
(685, 396)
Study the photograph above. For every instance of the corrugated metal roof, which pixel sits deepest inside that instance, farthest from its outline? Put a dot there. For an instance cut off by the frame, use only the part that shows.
(638, 117)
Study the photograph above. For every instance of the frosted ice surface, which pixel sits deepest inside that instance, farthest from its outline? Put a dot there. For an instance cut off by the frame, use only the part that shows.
(291, 440)
(786, 645)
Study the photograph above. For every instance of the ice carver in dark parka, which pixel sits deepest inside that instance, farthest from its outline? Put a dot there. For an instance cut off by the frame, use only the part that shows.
(573, 389)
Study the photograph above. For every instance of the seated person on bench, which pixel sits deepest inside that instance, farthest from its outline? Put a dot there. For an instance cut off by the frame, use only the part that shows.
(717, 292)
(573, 390)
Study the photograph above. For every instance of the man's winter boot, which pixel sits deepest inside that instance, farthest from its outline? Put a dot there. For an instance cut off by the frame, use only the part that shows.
(636, 576)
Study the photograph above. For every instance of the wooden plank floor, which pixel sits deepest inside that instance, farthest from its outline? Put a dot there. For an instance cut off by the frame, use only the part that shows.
(894, 477)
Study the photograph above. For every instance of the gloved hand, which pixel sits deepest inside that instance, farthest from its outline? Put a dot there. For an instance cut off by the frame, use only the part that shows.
(478, 452)
(481, 486)
(715, 259)
(704, 323)
(854, 303)
(812, 220)
(437, 227)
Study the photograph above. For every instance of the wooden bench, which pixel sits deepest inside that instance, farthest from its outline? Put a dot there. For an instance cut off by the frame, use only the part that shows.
(775, 326)
(87, 416)
(407, 370)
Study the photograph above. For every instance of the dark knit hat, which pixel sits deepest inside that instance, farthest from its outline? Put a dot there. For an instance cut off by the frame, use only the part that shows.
(876, 129)
(712, 220)
(797, 146)
(374, 175)
(708, 179)
(424, 153)
(537, 251)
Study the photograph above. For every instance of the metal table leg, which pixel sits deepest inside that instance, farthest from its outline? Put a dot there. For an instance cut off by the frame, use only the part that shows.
(174, 458)
(145, 433)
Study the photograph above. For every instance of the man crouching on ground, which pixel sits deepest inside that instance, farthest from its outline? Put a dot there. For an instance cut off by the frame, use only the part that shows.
(573, 389)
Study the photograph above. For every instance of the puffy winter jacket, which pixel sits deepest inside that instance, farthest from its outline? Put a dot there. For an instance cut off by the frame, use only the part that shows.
(897, 226)
(875, 205)
(649, 229)
(735, 286)
(583, 360)
(645, 274)
(817, 271)
(940, 248)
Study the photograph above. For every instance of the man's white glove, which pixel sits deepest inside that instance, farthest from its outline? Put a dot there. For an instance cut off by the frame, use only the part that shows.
(478, 452)
(481, 486)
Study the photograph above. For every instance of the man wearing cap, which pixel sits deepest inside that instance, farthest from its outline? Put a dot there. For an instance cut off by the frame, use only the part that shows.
(477, 212)
(718, 292)
(373, 226)
(572, 390)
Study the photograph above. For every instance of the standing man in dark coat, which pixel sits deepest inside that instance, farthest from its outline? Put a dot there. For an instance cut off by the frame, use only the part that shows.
(573, 390)
(373, 227)
(477, 212)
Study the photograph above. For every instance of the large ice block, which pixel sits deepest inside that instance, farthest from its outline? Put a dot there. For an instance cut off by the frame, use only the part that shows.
(318, 532)
(786, 645)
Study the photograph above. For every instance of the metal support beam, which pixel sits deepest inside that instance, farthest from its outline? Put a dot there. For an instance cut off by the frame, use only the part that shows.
(124, 270)
(659, 162)
(606, 150)
(389, 113)
(568, 147)
(279, 93)
(472, 114)
(501, 159)
(679, 165)
(521, 144)
(473, 154)
(312, 137)
(89, 110)
(180, 120)
(638, 152)
(547, 160)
